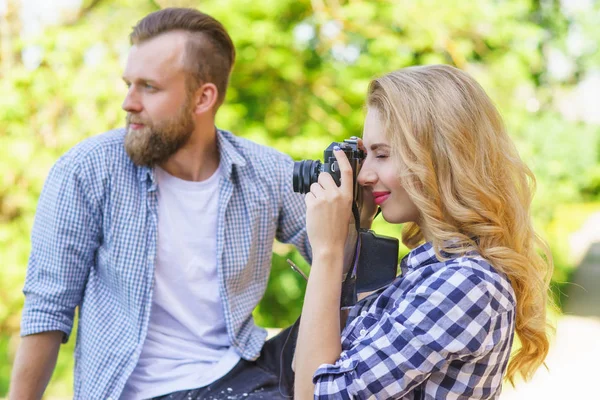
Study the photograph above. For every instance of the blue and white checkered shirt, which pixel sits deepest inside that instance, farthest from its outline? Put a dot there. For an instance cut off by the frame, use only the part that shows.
(443, 330)
(94, 245)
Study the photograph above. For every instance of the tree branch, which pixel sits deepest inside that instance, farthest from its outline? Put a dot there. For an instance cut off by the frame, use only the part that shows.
(83, 12)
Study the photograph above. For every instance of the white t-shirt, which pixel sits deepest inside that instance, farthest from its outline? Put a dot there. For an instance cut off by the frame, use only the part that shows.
(187, 346)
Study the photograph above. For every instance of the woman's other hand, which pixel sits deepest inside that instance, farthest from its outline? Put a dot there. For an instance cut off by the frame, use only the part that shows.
(329, 208)
(368, 208)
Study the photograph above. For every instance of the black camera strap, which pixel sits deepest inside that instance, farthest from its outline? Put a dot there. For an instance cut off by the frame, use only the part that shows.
(374, 266)
(349, 294)
(356, 214)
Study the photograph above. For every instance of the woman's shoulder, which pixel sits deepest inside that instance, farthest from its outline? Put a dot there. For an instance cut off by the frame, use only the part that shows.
(463, 275)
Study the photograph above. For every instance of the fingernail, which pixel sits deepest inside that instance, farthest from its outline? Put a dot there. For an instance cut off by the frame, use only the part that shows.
(336, 148)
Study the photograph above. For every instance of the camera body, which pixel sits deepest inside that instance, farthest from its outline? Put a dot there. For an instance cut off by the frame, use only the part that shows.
(376, 256)
(307, 172)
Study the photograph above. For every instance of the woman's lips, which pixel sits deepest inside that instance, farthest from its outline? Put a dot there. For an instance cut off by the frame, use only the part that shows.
(380, 197)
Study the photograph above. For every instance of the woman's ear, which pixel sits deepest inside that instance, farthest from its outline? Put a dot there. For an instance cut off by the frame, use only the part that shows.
(206, 98)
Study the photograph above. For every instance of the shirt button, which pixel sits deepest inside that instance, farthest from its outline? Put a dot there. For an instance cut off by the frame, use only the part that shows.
(363, 314)
(363, 332)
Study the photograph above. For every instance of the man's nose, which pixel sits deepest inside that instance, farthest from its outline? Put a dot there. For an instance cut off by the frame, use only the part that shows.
(132, 103)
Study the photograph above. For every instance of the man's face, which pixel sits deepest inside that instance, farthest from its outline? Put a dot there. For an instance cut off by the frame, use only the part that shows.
(159, 105)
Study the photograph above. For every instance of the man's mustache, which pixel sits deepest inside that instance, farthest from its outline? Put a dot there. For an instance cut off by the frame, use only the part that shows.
(133, 120)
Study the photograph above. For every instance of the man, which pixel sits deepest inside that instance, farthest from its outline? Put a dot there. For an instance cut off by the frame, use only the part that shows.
(161, 233)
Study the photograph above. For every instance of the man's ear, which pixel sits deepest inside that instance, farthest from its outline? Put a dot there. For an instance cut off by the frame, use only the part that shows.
(205, 98)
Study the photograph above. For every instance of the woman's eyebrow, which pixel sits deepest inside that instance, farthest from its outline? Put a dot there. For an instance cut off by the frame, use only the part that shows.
(376, 146)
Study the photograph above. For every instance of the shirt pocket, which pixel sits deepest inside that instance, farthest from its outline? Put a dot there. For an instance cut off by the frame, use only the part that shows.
(362, 326)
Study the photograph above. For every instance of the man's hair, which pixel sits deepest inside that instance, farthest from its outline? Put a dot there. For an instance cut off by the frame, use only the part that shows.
(209, 51)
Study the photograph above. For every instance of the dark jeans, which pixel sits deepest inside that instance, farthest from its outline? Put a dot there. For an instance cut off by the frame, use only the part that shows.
(269, 377)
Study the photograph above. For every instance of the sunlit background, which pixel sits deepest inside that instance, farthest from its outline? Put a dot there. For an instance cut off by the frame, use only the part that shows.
(299, 83)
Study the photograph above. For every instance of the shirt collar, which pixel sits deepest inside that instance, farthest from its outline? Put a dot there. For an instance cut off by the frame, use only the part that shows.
(418, 257)
(229, 156)
(145, 173)
(424, 255)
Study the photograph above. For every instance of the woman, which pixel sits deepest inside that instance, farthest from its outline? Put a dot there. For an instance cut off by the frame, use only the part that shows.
(439, 161)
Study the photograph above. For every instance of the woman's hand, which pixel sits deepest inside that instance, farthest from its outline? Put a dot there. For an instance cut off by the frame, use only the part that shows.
(328, 213)
(329, 208)
(368, 208)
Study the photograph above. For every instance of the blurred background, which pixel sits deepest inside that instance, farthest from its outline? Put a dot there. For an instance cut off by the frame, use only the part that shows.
(299, 83)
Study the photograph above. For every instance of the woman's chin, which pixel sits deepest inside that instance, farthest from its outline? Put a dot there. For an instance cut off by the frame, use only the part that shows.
(395, 218)
(390, 218)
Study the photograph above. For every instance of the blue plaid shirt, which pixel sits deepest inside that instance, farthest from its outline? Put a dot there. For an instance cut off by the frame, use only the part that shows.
(94, 244)
(442, 330)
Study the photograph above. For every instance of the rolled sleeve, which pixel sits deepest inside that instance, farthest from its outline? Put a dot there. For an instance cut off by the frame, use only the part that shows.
(64, 239)
(446, 318)
(340, 379)
(40, 315)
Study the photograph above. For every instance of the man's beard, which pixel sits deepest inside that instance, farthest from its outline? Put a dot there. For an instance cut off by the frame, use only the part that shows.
(155, 143)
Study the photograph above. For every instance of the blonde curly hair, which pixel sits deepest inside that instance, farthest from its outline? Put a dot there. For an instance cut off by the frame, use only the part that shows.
(464, 174)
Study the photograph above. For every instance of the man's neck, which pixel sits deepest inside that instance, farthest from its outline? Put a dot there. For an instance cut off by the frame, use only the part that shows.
(198, 159)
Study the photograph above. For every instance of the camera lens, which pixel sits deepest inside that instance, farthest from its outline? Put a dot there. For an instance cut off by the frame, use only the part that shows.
(305, 174)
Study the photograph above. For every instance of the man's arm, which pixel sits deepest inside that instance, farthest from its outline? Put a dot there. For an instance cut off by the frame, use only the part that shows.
(34, 364)
(65, 235)
(291, 227)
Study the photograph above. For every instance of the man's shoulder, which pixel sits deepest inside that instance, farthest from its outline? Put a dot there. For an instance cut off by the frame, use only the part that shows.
(97, 147)
(95, 160)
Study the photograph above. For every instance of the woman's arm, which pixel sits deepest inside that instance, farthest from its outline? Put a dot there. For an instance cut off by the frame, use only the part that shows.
(319, 334)
(329, 209)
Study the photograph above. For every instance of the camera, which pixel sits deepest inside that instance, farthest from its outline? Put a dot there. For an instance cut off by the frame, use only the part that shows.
(307, 172)
(376, 257)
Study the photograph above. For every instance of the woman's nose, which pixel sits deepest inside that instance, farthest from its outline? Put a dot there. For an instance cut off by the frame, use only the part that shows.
(366, 176)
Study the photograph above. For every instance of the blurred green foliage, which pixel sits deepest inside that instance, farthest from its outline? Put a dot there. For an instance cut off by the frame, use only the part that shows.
(300, 81)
